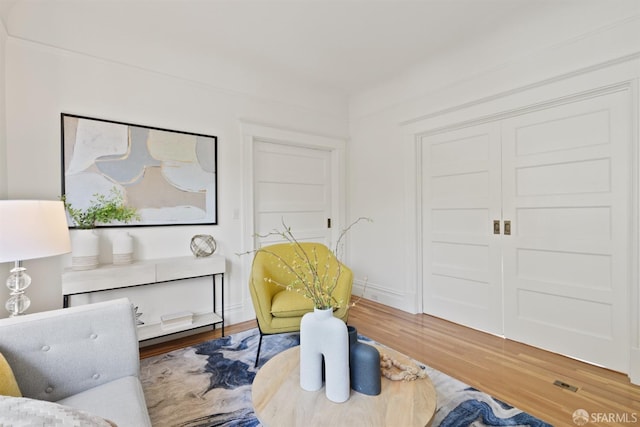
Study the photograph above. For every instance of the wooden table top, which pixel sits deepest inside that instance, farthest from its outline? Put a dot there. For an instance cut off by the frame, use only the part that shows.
(279, 401)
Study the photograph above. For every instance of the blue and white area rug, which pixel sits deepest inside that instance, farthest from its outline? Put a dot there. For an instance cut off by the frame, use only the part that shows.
(209, 384)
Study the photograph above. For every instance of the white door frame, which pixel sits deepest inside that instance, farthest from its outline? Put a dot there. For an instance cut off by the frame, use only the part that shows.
(252, 132)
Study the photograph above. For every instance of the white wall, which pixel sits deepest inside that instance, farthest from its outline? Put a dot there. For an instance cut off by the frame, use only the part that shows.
(4, 269)
(3, 132)
(570, 35)
(43, 81)
(382, 165)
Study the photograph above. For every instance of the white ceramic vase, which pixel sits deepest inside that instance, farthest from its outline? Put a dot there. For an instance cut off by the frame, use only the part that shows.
(122, 244)
(85, 248)
(322, 335)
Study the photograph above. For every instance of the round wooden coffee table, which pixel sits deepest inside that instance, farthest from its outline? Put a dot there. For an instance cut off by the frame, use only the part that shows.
(279, 401)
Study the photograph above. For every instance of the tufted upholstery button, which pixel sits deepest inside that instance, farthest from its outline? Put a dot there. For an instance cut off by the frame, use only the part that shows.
(48, 390)
(93, 336)
(96, 376)
(46, 348)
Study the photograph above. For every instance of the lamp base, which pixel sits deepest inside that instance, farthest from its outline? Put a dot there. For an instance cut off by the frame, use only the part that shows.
(17, 304)
(17, 282)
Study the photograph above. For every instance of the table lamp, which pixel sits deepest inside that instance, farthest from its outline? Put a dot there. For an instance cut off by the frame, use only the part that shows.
(29, 229)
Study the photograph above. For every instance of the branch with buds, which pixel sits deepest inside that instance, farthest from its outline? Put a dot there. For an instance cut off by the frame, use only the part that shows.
(311, 275)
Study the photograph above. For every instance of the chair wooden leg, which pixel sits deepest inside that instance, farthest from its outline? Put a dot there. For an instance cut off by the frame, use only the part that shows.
(258, 353)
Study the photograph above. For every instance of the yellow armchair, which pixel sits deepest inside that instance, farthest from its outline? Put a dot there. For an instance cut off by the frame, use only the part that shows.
(279, 310)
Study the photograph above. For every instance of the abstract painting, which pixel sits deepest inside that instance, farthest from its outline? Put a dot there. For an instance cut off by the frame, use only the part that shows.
(170, 177)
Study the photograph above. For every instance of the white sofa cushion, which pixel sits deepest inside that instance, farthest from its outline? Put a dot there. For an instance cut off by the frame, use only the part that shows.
(25, 412)
(121, 401)
(63, 352)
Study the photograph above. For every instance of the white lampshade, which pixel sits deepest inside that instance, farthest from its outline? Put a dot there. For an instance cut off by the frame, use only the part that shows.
(32, 229)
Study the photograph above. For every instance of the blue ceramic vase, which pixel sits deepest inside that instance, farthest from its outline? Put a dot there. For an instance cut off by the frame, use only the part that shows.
(364, 365)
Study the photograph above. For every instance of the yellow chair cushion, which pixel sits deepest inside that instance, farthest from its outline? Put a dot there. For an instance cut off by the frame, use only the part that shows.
(290, 304)
(8, 383)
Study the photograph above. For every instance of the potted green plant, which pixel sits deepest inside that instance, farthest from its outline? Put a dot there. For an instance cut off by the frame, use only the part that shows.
(103, 209)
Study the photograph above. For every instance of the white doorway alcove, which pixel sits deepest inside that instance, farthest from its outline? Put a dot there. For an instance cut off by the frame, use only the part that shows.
(559, 160)
(282, 168)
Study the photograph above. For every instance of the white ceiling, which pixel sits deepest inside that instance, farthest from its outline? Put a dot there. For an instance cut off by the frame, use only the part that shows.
(346, 45)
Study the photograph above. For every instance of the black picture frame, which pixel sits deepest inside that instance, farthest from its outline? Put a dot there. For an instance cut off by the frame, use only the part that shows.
(168, 176)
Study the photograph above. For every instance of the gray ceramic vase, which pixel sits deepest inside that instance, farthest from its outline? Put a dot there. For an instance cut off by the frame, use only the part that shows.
(364, 365)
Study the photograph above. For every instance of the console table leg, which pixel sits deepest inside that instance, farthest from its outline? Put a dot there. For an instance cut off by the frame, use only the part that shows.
(222, 299)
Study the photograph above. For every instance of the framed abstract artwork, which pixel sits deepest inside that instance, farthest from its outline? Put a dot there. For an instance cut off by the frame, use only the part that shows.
(169, 176)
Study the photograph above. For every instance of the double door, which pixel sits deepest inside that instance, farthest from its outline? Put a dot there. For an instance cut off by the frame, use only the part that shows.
(526, 224)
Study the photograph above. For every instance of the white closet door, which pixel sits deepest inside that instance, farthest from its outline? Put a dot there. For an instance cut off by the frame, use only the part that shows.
(566, 190)
(292, 184)
(460, 200)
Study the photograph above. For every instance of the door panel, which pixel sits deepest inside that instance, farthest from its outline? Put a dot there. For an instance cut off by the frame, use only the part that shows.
(566, 262)
(292, 185)
(461, 198)
(562, 177)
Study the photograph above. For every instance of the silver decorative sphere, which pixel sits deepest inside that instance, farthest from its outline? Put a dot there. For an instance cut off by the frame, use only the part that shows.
(203, 245)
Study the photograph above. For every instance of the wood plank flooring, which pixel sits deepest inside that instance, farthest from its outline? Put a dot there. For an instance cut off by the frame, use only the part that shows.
(518, 374)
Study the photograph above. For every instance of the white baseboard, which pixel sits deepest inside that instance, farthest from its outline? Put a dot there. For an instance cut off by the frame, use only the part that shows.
(384, 296)
(634, 366)
(239, 313)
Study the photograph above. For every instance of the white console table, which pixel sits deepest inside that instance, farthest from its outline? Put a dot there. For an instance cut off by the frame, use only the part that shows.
(149, 272)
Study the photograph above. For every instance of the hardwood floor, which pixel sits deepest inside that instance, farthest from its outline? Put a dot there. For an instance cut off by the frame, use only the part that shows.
(518, 374)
